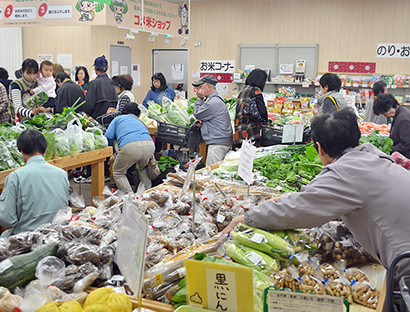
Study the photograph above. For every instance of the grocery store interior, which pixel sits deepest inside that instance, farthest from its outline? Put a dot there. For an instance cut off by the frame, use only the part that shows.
(187, 201)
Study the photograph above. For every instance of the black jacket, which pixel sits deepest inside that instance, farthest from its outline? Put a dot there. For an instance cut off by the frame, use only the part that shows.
(100, 96)
(67, 95)
(400, 131)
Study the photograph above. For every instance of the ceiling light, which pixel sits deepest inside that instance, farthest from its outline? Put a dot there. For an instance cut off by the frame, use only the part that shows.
(151, 38)
(184, 42)
(168, 38)
(198, 43)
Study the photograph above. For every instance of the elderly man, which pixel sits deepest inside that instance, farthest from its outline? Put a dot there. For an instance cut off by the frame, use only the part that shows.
(352, 186)
(101, 94)
(213, 117)
(33, 194)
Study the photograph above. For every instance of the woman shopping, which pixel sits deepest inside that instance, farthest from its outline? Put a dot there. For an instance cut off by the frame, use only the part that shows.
(331, 100)
(82, 77)
(251, 111)
(135, 146)
(20, 90)
(159, 89)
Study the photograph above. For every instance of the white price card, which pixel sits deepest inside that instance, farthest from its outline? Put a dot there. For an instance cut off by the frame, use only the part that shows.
(245, 168)
(292, 133)
(132, 242)
(254, 258)
(220, 218)
(257, 238)
(299, 302)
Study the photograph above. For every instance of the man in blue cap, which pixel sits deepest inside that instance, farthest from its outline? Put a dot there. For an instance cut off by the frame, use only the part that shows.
(100, 94)
(213, 116)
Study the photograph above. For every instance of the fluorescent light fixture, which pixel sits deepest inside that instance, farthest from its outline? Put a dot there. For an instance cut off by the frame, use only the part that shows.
(184, 41)
(198, 43)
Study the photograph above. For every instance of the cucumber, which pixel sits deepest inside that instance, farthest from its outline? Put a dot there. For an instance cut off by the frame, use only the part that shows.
(24, 266)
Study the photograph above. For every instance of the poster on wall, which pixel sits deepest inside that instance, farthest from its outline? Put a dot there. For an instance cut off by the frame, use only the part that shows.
(159, 16)
(136, 74)
(65, 60)
(44, 57)
(393, 50)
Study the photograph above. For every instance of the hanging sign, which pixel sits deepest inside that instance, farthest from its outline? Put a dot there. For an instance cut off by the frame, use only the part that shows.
(393, 50)
(352, 67)
(159, 16)
(219, 287)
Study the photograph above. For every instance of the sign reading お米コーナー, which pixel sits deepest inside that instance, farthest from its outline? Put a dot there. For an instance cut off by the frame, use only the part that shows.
(159, 16)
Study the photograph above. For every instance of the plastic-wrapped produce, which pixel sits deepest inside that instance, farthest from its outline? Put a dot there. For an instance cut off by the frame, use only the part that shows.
(79, 253)
(22, 242)
(365, 294)
(50, 271)
(310, 284)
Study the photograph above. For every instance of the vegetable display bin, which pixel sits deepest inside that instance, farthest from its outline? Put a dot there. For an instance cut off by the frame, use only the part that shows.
(271, 136)
(178, 135)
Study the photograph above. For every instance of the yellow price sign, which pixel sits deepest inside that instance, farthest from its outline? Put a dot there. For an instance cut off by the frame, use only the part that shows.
(219, 287)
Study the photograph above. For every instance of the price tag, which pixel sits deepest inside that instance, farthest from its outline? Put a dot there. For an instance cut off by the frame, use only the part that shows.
(219, 287)
(348, 84)
(5, 264)
(245, 168)
(257, 238)
(254, 258)
(393, 86)
(305, 85)
(220, 218)
(299, 302)
(355, 85)
(292, 133)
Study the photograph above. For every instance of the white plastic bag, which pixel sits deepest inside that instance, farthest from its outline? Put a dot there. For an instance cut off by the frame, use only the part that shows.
(74, 133)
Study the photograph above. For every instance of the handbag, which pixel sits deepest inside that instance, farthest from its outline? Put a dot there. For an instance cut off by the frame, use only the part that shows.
(152, 168)
(250, 109)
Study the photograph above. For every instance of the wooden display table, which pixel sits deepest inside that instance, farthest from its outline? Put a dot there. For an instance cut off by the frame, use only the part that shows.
(94, 158)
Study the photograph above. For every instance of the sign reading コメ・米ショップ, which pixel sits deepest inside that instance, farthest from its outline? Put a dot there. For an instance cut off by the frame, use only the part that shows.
(159, 16)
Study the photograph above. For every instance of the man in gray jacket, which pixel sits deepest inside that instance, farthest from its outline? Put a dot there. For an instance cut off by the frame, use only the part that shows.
(213, 116)
(358, 183)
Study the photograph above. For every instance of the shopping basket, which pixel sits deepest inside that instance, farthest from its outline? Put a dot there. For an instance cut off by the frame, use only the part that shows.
(179, 135)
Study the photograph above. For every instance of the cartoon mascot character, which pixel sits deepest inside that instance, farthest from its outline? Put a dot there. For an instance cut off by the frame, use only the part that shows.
(183, 14)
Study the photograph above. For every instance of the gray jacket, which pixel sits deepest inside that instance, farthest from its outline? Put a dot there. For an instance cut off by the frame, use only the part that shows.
(370, 116)
(216, 125)
(326, 105)
(365, 188)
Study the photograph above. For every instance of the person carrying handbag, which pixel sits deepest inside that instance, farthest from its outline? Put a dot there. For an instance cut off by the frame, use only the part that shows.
(135, 147)
(251, 111)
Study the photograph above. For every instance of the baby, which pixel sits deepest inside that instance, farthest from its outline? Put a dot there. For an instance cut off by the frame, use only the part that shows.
(47, 84)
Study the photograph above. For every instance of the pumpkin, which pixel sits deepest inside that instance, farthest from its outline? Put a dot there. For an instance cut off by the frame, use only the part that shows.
(108, 297)
(57, 306)
(98, 308)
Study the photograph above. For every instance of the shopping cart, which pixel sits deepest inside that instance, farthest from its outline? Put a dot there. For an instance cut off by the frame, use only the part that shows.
(397, 299)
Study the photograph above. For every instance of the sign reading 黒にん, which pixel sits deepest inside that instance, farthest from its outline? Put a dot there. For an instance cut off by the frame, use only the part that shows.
(159, 16)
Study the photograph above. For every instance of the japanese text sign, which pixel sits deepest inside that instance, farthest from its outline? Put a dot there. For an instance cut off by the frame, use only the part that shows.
(132, 241)
(219, 287)
(159, 16)
(217, 67)
(245, 168)
(292, 133)
(393, 50)
(300, 302)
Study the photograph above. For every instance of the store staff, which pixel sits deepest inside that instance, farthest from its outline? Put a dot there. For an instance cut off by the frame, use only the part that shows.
(359, 183)
(32, 194)
(388, 106)
(213, 117)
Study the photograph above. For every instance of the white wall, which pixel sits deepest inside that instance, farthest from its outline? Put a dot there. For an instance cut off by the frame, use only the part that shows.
(11, 49)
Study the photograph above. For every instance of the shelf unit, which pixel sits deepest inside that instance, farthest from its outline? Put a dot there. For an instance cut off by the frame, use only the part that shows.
(272, 86)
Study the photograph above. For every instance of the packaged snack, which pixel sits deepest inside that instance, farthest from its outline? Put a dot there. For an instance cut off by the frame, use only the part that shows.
(365, 294)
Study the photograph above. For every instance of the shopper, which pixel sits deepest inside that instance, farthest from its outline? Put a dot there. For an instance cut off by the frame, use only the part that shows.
(20, 90)
(57, 68)
(352, 186)
(388, 106)
(4, 79)
(123, 86)
(32, 194)
(82, 77)
(4, 106)
(159, 89)
(379, 88)
(67, 93)
(245, 126)
(213, 118)
(331, 100)
(135, 144)
(100, 94)
(46, 84)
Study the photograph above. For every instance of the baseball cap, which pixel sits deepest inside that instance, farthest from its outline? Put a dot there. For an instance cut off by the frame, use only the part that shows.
(101, 62)
(206, 79)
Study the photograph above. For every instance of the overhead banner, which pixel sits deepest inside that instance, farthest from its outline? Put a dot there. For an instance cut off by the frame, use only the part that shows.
(159, 16)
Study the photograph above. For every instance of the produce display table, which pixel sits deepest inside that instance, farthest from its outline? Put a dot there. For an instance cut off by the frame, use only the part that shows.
(94, 158)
